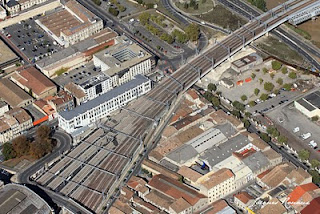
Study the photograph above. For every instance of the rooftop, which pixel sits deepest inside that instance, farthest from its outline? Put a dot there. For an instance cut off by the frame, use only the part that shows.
(245, 60)
(6, 55)
(174, 189)
(244, 197)
(33, 79)
(274, 206)
(19, 199)
(311, 101)
(19, 114)
(299, 191)
(70, 20)
(217, 177)
(138, 80)
(75, 90)
(216, 154)
(313, 207)
(122, 56)
(180, 205)
(256, 161)
(277, 175)
(189, 173)
(12, 94)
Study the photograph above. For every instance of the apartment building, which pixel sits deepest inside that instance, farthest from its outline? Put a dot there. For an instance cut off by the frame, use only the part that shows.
(15, 6)
(123, 61)
(103, 105)
(71, 24)
(34, 82)
(13, 123)
(216, 185)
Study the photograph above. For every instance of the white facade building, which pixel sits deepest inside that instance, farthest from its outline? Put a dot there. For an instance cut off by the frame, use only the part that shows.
(123, 61)
(104, 104)
(309, 105)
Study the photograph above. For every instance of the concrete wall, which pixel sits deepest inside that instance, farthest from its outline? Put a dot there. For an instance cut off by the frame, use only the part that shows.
(303, 110)
(30, 13)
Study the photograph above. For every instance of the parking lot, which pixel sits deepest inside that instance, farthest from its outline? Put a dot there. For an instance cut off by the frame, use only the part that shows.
(288, 117)
(31, 39)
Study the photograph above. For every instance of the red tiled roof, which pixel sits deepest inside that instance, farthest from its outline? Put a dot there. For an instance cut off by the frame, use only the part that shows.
(299, 191)
(193, 94)
(175, 189)
(244, 197)
(34, 79)
(313, 207)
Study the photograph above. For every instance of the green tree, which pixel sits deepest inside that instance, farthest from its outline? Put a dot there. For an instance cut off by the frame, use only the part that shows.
(256, 91)
(203, 1)
(271, 129)
(193, 31)
(280, 81)
(276, 65)
(272, 75)
(277, 91)
(293, 75)
(215, 101)
(304, 154)
(315, 163)
(97, 2)
(268, 86)
(287, 86)
(43, 132)
(212, 87)
(260, 81)
(122, 8)
(264, 97)
(166, 37)
(8, 151)
(315, 176)
(21, 145)
(186, 5)
(265, 137)
(282, 139)
(192, 3)
(180, 36)
(265, 70)
(144, 18)
(196, 7)
(253, 76)
(236, 113)
(113, 11)
(247, 114)
(315, 118)
(246, 123)
(252, 103)
(244, 97)
(239, 106)
(150, 5)
(208, 95)
(284, 70)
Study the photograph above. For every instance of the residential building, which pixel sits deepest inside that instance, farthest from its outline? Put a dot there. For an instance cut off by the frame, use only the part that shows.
(273, 206)
(216, 185)
(138, 185)
(16, 198)
(309, 105)
(226, 83)
(246, 62)
(243, 200)
(13, 123)
(7, 57)
(13, 94)
(45, 108)
(63, 101)
(71, 24)
(219, 207)
(3, 13)
(302, 195)
(181, 198)
(4, 107)
(76, 92)
(34, 82)
(103, 105)
(15, 6)
(313, 207)
(123, 61)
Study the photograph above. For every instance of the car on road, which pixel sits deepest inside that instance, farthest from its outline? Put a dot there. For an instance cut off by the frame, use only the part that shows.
(306, 136)
(295, 130)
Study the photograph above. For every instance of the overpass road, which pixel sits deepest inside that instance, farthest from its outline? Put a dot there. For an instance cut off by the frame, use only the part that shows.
(295, 41)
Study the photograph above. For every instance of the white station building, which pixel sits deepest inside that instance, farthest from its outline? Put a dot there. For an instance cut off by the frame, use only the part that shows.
(103, 105)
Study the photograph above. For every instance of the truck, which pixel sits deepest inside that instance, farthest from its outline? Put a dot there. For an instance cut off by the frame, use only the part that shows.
(306, 136)
(313, 144)
(295, 130)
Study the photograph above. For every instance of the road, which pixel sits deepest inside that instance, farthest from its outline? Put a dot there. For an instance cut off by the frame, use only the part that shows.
(64, 144)
(120, 28)
(297, 43)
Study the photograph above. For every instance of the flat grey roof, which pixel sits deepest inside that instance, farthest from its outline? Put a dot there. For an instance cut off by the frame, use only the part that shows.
(314, 99)
(227, 129)
(256, 161)
(183, 154)
(6, 54)
(138, 80)
(16, 198)
(306, 104)
(126, 54)
(219, 153)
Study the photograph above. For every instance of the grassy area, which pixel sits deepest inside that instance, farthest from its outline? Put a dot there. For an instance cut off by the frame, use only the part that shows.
(61, 71)
(222, 17)
(299, 31)
(279, 49)
(202, 7)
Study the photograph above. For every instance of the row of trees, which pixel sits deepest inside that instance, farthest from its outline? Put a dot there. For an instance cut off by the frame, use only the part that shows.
(22, 146)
